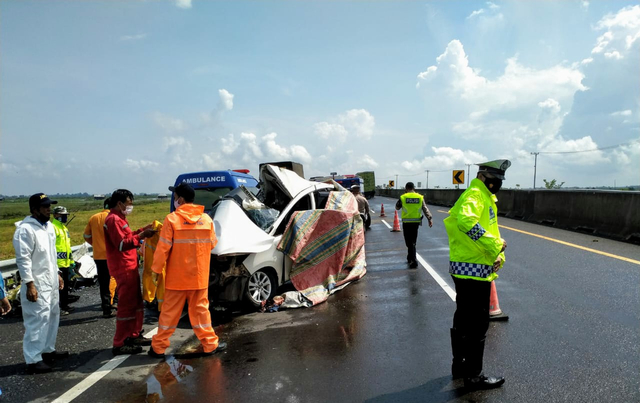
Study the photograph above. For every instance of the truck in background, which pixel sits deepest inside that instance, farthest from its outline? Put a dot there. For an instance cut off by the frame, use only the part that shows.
(369, 188)
(290, 165)
(346, 181)
(212, 186)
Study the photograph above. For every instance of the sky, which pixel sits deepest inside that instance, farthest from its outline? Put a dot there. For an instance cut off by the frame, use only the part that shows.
(100, 95)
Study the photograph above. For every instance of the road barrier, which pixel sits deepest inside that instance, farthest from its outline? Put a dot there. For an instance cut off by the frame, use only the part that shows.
(608, 213)
(8, 267)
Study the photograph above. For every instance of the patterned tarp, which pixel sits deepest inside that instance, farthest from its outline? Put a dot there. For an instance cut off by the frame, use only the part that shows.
(326, 246)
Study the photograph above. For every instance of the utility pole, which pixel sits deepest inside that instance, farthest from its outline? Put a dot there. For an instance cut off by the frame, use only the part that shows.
(396, 182)
(427, 171)
(535, 166)
(468, 168)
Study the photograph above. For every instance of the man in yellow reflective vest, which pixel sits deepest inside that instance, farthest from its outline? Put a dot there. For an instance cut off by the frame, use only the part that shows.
(63, 253)
(476, 253)
(413, 206)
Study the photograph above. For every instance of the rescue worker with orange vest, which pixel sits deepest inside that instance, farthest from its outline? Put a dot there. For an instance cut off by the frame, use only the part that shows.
(94, 235)
(413, 207)
(186, 240)
(476, 253)
(122, 259)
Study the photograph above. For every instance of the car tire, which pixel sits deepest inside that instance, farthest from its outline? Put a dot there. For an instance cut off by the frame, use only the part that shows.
(261, 286)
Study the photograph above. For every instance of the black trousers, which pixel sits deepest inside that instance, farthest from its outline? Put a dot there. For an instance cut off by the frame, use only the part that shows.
(410, 232)
(103, 281)
(470, 323)
(64, 293)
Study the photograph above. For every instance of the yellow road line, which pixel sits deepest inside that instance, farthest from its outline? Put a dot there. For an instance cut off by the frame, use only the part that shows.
(626, 259)
(573, 245)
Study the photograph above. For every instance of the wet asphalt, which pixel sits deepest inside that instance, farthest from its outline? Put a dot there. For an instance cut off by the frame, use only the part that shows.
(572, 334)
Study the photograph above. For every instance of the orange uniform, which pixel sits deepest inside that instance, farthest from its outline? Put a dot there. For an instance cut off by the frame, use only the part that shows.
(94, 236)
(186, 240)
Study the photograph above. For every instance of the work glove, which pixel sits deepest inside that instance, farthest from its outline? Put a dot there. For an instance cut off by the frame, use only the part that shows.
(154, 278)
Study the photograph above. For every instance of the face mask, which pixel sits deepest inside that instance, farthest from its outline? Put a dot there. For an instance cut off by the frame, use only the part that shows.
(493, 184)
(127, 210)
(176, 204)
(62, 219)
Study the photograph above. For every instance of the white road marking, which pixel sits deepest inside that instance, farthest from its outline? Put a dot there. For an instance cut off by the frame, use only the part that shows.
(436, 276)
(101, 373)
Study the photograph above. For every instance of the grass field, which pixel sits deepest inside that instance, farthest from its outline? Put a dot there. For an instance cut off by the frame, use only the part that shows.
(144, 212)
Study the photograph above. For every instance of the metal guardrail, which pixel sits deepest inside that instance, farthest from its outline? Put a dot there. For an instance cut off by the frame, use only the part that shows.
(8, 267)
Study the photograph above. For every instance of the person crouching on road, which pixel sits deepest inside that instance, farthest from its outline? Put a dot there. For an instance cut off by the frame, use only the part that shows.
(122, 259)
(413, 206)
(35, 244)
(476, 253)
(186, 240)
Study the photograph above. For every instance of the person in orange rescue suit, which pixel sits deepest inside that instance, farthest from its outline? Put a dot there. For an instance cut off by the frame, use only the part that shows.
(186, 240)
(94, 235)
(122, 259)
(476, 253)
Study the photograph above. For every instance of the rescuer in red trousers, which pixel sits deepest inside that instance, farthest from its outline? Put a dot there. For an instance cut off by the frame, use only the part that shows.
(186, 240)
(122, 260)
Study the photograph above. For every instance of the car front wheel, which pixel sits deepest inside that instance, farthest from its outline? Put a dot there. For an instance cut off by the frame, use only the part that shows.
(261, 286)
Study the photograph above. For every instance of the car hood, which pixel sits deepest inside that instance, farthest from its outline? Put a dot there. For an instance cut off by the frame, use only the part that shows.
(236, 232)
(286, 181)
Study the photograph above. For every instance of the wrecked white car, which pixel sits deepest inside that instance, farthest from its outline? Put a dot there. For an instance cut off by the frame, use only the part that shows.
(260, 247)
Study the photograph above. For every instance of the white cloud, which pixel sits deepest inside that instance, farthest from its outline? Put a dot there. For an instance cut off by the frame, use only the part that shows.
(623, 32)
(487, 18)
(169, 124)
(359, 122)
(140, 164)
(444, 158)
(336, 132)
(226, 100)
(584, 5)
(183, 3)
(626, 112)
(133, 37)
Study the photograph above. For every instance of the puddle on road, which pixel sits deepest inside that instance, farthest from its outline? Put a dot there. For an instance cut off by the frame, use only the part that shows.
(165, 374)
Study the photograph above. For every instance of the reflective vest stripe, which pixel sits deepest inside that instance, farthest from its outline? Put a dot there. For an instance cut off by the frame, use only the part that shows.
(163, 327)
(406, 220)
(64, 255)
(165, 240)
(126, 318)
(121, 244)
(125, 226)
(476, 232)
(193, 240)
(201, 326)
(470, 269)
(86, 236)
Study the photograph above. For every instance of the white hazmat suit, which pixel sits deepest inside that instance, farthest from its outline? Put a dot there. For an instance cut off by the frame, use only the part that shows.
(35, 246)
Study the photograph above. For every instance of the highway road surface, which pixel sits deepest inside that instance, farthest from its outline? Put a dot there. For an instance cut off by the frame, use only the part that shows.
(572, 335)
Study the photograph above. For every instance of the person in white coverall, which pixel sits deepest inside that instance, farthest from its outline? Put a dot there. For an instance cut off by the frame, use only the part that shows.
(35, 244)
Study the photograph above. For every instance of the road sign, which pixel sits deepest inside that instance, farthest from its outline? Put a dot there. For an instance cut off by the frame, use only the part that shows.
(391, 184)
(458, 177)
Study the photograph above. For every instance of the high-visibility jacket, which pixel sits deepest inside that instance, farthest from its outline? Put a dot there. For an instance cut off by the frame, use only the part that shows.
(63, 244)
(151, 291)
(94, 234)
(185, 245)
(121, 243)
(474, 237)
(411, 207)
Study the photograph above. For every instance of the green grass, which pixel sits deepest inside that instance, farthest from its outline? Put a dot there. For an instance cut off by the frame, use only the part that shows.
(144, 212)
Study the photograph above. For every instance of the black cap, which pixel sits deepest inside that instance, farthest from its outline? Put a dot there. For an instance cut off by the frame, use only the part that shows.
(40, 199)
(185, 191)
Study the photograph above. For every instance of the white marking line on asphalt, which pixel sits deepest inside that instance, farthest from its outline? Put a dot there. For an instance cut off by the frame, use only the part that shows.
(101, 373)
(436, 276)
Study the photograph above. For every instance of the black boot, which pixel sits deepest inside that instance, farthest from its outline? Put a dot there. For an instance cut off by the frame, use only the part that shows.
(457, 366)
(482, 382)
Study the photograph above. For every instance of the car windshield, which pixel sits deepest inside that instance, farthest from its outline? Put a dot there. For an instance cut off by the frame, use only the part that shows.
(249, 202)
(209, 197)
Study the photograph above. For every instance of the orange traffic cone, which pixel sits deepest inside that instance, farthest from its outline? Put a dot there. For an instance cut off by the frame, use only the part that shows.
(382, 211)
(396, 223)
(495, 313)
